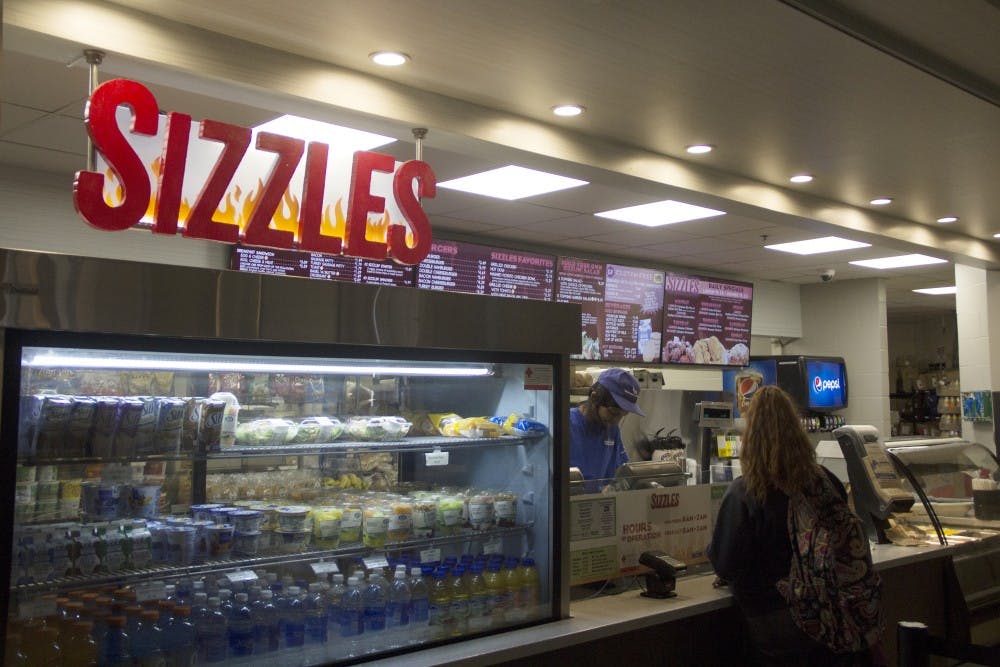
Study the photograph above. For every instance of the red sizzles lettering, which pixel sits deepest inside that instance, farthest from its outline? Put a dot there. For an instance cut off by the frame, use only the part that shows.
(406, 244)
(664, 500)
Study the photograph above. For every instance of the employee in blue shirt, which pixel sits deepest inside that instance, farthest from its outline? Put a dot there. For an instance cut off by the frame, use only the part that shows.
(595, 445)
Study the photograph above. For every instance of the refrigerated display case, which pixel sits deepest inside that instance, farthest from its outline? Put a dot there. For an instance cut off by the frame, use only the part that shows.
(175, 472)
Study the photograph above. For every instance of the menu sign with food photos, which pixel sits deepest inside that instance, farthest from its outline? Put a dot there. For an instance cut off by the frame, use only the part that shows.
(633, 313)
(581, 281)
(321, 266)
(706, 320)
(454, 266)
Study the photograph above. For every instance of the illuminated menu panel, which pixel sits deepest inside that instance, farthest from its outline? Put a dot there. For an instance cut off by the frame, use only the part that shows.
(271, 262)
(633, 313)
(706, 320)
(581, 281)
(454, 266)
(321, 266)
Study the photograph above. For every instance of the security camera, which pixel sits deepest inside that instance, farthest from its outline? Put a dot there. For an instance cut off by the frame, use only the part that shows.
(827, 275)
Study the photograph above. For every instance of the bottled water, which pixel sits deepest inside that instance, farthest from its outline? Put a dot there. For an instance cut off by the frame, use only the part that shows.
(212, 634)
(293, 619)
(315, 612)
(333, 598)
(180, 637)
(147, 644)
(419, 601)
(226, 603)
(199, 609)
(241, 628)
(376, 597)
(265, 624)
(397, 612)
(352, 619)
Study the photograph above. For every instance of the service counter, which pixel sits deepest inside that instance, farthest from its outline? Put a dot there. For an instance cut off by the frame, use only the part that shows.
(701, 625)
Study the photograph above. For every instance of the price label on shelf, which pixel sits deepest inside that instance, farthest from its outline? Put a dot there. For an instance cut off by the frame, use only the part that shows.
(38, 607)
(430, 555)
(324, 567)
(436, 458)
(241, 576)
(493, 546)
(375, 562)
(150, 590)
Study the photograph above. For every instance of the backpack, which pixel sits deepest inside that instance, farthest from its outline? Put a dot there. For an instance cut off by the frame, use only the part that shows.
(832, 589)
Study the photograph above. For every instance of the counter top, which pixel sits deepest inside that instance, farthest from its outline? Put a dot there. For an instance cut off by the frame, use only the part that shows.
(607, 615)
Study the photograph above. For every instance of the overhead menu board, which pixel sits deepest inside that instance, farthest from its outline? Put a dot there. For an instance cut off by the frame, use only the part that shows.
(581, 281)
(633, 313)
(706, 320)
(321, 266)
(454, 266)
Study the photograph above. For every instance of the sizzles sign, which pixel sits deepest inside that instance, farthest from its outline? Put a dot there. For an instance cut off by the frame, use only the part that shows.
(131, 190)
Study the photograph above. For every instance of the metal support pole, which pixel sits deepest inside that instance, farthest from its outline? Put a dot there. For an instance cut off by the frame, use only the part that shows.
(419, 133)
(94, 58)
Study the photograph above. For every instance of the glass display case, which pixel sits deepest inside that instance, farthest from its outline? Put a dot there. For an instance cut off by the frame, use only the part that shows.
(195, 499)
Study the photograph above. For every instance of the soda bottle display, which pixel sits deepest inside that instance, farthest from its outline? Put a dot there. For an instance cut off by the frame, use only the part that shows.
(241, 628)
(212, 633)
(352, 618)
(397, 613)
(419, 602)
(439, 607)
(315, 615)
(115, 651)
(459, 607)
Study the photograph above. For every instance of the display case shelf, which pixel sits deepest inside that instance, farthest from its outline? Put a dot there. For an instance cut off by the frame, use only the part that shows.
(231, 563)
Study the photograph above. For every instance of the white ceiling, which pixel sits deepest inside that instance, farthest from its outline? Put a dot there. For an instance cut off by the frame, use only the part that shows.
(897, 98)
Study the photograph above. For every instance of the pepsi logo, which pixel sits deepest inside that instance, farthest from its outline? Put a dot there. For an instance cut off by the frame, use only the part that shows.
(820, 385)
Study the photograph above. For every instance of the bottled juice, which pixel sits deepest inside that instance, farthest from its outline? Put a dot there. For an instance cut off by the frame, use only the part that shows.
(495, 593)
(512, 590)
(529, 587)
(79, 647)
(459, 602)
(439, 606)
(479, 616)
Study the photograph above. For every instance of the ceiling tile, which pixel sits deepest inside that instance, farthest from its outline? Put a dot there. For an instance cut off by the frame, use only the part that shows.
(13, 116)
(509, 213)
(52, 132)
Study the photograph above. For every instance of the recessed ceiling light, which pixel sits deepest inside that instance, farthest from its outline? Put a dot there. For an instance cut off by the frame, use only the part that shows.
(881, 201)
(814, 246)
(511, 182)
(568, 110)
(389, 58)
(946, 219)
(659, 213)
(996, 236)
(338, 137)
(938, 290)
(898, 262)
(801, 178)
(698, 149)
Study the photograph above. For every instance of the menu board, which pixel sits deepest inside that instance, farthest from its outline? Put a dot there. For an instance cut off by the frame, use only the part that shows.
(706, 320)
(633, 313)
(321, 266)
(454, 266)
(581, 281)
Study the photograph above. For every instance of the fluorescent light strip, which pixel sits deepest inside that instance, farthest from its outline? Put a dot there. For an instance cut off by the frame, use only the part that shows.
(338, 137)
(938, 290)
(659, 213)
(898, 262)
(112, 363)
(511, 182)
(815, 246)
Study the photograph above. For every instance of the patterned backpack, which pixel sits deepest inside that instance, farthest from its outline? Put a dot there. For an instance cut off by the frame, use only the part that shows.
(831, 589)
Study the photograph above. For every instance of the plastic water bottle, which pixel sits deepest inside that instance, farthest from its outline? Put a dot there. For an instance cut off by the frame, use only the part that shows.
(115, 648)
(479, 614)
(226, 603)
(293, 619)
(376, 597)
(199, 609)
(180, 637)
(241, 628)
(314, 613)
(352, 617)
(419, 601)
(212, 634)
(397, 611)
(333, 598)
(147, 644)
(263, 613)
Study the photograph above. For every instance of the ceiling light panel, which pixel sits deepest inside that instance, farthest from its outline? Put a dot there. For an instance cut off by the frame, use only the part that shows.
(699, 149)
(389, 58)
(338, 137)
(947, 219)
(816, 246)
(568, 110)
(898, 262)
(657, 214)
(801, 178)
(938, 290)
(511, 182)
(881, 201)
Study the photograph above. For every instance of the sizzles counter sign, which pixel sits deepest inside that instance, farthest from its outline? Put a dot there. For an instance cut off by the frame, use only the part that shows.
(171, 172)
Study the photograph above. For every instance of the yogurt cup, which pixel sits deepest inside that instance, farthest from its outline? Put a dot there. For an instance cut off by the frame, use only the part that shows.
(180, 545)
(247, 544)
(204, 512)
(292, 542)
(145, 501)
(246, 521)
(220, 515)
(220, 540)
(293, 519)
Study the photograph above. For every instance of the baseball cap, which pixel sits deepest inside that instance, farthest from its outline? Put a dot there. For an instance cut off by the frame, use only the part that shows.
(623, 387)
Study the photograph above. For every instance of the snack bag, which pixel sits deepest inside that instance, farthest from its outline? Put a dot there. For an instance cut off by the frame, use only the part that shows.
(445, 423)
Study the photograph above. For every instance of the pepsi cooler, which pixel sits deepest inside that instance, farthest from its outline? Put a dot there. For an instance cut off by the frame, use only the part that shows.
(817, 384)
